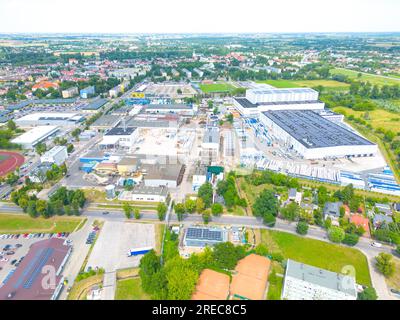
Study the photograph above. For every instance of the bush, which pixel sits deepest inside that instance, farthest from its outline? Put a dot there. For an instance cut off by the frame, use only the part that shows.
(367, 294)
(302, 228)
(351, 239)
(278, 257)
(261, 250)
(269, 220)
(217, 209)
(336, 234)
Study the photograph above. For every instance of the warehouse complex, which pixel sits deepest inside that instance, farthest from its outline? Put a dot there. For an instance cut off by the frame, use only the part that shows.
(259, 100)
(29, 139)
(53, 118)
(315, 137)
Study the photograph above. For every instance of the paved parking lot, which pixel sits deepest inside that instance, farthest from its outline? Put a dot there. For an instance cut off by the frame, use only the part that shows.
(19, 253)
(115, 240)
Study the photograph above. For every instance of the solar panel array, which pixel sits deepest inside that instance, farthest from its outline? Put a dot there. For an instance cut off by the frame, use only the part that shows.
(204, 234)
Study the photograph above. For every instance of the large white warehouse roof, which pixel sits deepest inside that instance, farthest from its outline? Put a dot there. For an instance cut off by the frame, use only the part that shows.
(35, 135)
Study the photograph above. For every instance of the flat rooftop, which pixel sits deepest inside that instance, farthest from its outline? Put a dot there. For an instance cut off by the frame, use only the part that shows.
(95, 105)
(248, 105)
(120, 131)
(168, 106)
(282, 90)
(211, 135)
(26, 282)
(314, 131)
(321, 277)
(211, 234)
(49, 116)
(35, 134)
(142, 189)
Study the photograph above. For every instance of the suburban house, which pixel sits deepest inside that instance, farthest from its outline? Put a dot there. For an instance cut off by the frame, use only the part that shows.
(295, 196)
(384, 208)
(360, 220)
(379, 219)
(332, 210)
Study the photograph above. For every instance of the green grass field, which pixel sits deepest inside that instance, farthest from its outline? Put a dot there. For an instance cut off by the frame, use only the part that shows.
(329, 84)
(216, 87)
(130, 289)
(13, 223)
(373, 79)
(318, 253)
(379, 118)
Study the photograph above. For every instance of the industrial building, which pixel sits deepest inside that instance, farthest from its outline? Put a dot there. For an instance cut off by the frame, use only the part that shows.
(29, 139)
(182, 109)
(106, 121)
(315, 137)
(30, 280)
(123, 137)
(260, 100)
(169, 175)
(171, 121)
(304, 282)
(143, 193)
(202, 237)
(56, 155)
(94, 106)
(50, 118)
(210, 145)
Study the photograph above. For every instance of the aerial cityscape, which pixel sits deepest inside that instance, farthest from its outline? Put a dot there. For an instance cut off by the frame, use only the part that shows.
(199, 166)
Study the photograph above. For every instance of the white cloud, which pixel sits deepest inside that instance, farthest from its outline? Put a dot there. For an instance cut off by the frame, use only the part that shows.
(148, 16)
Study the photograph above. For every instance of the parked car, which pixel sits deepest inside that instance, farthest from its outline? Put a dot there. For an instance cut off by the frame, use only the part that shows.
(376, 244)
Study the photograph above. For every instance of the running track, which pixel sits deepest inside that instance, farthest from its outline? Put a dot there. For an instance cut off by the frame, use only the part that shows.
(12, 161)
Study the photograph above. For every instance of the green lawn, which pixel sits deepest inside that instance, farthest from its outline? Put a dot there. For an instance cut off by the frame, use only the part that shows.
(216, 87)
(275, 285)
(330, 84)
(373, 79)
(378, 118)
(318, 253)
(13, 223)
(130, 289)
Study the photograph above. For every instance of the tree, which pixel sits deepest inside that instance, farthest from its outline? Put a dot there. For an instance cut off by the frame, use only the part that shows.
(302, 228)
(41, 208)
(41, 148)
(127, 210)
(206, 216)
(265, 204)
(200, 206)
(291, 211)
(226, 255)
(150, 264)
(190, 205)
(70, 148)
(136, 213)
(180, 211)
(217, 209)
(229, 118)
(351, 239)
(11, 125)
(161, 211)
(384, 263)
(367, 294)
(181, 278)
(206, 193)
(269, 220)
(336, 234)
(31, 209)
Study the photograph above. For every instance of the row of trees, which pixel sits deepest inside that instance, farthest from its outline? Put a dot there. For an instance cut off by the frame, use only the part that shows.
(62, 202)
(227, 189)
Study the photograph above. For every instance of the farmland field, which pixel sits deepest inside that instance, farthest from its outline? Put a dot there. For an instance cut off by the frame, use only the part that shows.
(379, 118)
(216, 87)
(373, 79)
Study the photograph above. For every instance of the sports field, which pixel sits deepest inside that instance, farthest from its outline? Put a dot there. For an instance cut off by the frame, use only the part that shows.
(9, 161)
(331, 84)
(216, 87)
(373, 79)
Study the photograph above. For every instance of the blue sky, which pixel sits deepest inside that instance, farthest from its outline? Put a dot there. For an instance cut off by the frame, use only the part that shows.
(147, 16)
